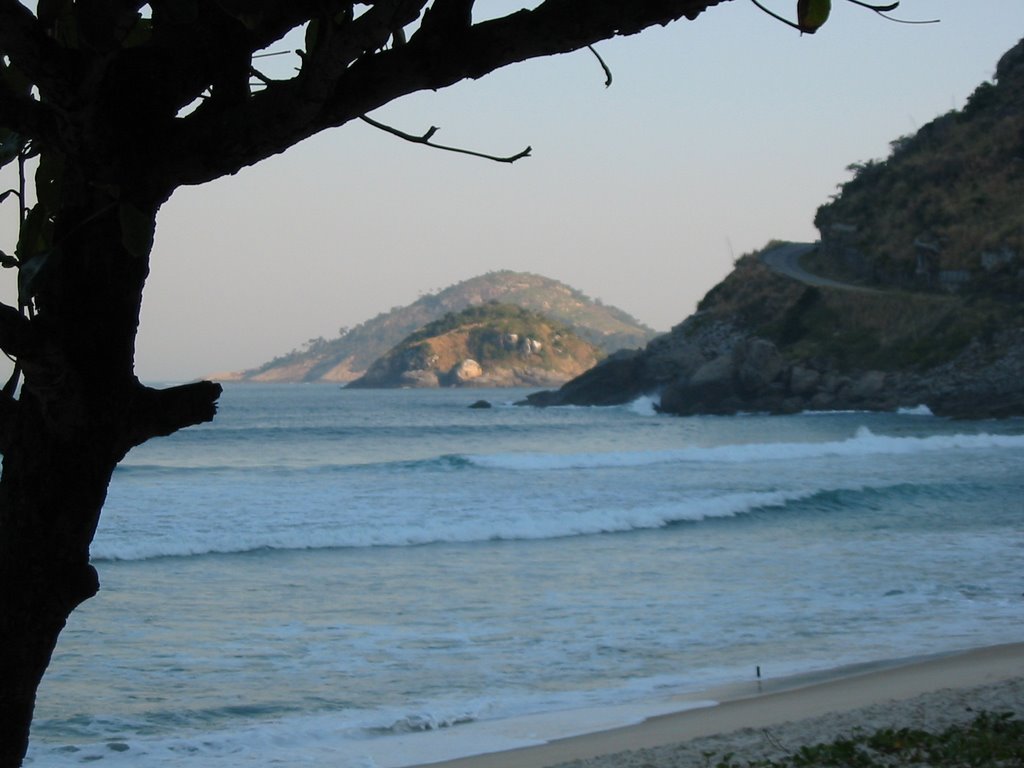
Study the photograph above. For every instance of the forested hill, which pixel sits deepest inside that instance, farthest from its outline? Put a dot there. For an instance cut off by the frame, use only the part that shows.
(348, 356)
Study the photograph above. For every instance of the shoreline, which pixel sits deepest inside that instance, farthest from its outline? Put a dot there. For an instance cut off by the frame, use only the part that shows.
(747, 708)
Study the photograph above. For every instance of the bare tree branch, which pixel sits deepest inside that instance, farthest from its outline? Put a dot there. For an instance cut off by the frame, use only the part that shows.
(161, 412)
(446, 18)
(425, 140)
(607, 72)
(286, 107)
(276, 19)
(212, 143)
(340, 45)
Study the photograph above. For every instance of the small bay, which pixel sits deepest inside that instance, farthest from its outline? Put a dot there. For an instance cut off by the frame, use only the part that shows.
(321, 571)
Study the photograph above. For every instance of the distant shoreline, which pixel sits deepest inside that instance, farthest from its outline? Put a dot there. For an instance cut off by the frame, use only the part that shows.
(930, 691)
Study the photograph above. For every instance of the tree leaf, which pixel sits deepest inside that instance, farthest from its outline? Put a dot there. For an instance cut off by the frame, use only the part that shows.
(49, 179)
(11, 145)
(811, 14)
(140, 34)
(36, 234)
(16, 80)
(30, 276)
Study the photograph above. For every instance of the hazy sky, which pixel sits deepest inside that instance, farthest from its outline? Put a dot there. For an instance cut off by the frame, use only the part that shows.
(715, 137)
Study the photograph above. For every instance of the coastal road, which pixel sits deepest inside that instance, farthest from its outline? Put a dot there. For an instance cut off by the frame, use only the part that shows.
(785, 259)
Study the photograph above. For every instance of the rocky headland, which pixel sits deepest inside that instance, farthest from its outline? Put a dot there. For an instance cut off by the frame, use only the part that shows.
(493, 345)
(913, 296)
(779, 348)
(349, 356)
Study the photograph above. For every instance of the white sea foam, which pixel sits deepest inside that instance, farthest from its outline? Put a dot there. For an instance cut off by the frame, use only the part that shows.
(525, 525)
(863, 443)
(502, 496)
(346, 740)
(917, 410)
(645, 406)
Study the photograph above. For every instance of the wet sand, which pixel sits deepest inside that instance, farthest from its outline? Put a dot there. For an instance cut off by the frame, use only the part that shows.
(772, 718)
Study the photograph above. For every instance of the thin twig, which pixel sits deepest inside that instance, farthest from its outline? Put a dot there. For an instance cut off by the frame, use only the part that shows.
(272, 53)
(882, 10)
(908, 21)
(877, 8)
(607, 72)
(776, 16)
(253, 72)
(425, 139)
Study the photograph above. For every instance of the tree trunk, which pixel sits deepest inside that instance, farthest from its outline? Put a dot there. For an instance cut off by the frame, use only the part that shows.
(80, 410)
(50, 497)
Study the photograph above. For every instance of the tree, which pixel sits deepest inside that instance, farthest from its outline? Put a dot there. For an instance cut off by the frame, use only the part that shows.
(112, 105)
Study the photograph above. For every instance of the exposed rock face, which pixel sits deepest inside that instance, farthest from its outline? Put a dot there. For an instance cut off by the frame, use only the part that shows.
(495, 345)
(750, 374)
(417, 378)
(758, 363)
(465, 372)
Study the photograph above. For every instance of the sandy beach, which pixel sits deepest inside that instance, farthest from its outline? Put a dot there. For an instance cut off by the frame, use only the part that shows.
(772, 718)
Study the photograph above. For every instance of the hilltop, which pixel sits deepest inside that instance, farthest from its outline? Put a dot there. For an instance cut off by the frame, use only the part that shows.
(945, 210)
(912, 296)
(492, 345)
(350, 355)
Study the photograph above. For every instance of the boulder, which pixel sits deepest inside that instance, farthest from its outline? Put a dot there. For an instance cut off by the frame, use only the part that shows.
(667, 361)
(758, 363)
(464, 372)
(714, 373)
(868, 386)
(803, 381)
(711, 389)
(531, 346)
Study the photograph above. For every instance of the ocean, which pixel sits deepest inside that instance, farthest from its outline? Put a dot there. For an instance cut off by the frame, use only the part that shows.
(370, 579)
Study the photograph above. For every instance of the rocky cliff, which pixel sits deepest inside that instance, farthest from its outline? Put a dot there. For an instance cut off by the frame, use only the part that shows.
(765, 342)
(349, 356)
(914, 296)
(494, 345)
